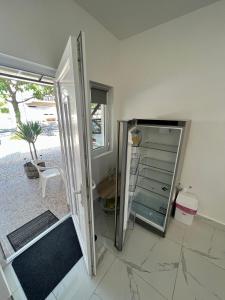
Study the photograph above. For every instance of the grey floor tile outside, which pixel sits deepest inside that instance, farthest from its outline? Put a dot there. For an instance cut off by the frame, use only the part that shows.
(21, 199)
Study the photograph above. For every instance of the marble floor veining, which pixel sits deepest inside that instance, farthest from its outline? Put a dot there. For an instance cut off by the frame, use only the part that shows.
(188, 264)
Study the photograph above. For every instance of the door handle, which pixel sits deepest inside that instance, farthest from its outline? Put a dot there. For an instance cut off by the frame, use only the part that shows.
(93, 185)
(77, 192)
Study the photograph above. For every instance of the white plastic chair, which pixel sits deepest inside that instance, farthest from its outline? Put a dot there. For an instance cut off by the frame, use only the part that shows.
(46, 173)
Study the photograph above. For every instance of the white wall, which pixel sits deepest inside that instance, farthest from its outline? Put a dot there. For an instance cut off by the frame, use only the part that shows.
(38, 31)
(175, 71)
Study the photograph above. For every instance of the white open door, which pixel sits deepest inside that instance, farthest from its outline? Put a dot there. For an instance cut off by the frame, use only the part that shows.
(74, 121)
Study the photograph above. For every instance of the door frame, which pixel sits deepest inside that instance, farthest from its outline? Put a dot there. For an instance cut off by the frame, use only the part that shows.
(32, 67)
(86, 113)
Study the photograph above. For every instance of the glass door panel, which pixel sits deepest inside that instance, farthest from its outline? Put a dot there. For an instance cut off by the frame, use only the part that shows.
(152, 170)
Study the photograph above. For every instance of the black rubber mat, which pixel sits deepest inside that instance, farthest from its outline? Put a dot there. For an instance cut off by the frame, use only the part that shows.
(24, 234)
(42, 266)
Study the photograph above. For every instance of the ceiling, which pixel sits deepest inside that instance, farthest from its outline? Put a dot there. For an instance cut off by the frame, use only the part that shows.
(125, 18)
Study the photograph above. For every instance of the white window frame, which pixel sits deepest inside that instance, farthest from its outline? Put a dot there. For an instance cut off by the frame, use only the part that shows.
(25, 65)
(108, 120)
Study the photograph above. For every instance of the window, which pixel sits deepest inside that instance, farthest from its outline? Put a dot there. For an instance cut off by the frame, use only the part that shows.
(100, 117)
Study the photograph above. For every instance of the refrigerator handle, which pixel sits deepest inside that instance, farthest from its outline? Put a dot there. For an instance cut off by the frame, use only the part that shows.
(120, 183)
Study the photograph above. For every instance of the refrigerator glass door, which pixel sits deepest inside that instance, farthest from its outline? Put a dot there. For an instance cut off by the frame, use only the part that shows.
(152, 174)
(147, 164)
(122, 208)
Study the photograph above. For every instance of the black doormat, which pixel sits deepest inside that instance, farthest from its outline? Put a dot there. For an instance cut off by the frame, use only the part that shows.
(21, 236)
(42, 266)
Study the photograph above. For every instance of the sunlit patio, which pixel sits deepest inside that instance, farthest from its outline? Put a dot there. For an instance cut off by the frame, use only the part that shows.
(20, 197)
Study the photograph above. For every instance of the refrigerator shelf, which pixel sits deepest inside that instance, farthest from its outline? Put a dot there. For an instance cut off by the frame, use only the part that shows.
(149, 214)
(146, 189)
(160, 147)
(137, 216)
(159, 211)
(149, 205)
(154, 186)
(150, 199)
(158, 164)
(155, 180)
(151, 173)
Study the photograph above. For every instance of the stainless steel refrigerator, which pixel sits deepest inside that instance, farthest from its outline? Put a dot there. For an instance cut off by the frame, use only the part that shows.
(150, 156)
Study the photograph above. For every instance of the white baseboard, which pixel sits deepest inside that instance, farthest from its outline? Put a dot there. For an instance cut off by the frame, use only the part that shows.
(221, 224)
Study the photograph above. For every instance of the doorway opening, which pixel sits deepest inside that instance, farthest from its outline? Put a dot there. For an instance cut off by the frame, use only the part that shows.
(103, 167)
(104, 215)
(31, 178)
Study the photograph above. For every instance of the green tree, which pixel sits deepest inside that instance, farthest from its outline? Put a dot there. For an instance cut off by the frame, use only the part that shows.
(12, 91)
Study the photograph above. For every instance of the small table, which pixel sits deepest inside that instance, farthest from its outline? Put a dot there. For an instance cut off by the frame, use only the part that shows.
(107, 190)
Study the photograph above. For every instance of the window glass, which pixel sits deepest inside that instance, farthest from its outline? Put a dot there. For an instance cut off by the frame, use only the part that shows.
(98, 125)
(100, 117)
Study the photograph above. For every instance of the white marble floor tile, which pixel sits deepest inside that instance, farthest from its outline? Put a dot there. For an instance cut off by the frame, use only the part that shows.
(208, 240)
(153, 258)
(210, 222)
(11, 278)
(138, 245)
(159, 267)
(121, 283)
(51, 296)
(176, 231)
(104, 222)
(199, 236)
(19, 295)
(77, 284)
(104, 229)
(217, 249)
(198, 278)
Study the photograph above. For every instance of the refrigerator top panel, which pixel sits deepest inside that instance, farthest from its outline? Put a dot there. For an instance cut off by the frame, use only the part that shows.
(153, 122)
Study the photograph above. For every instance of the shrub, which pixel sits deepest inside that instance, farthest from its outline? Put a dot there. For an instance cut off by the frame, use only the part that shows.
(4, 110)
(29, 132)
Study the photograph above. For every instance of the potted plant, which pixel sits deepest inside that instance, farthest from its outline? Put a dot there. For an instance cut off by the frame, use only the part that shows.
(29, 132)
